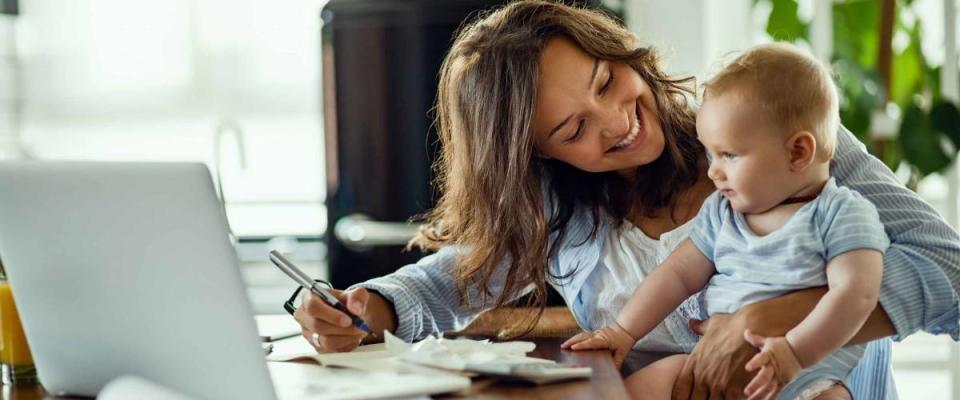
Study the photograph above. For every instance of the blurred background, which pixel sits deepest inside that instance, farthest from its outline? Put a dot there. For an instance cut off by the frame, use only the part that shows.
(313, 114)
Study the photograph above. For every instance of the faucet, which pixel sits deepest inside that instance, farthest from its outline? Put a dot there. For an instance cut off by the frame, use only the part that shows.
(227, 127)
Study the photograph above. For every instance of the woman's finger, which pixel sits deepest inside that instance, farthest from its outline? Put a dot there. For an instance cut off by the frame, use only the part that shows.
(315, 307)
(684, 383)
(698, 326)
(339, 343)
(356, 300)
(322, 327)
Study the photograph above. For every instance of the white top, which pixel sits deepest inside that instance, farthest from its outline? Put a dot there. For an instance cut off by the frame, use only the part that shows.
(629, 256)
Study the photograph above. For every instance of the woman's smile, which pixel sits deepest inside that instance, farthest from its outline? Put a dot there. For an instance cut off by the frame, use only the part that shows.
(634, 138)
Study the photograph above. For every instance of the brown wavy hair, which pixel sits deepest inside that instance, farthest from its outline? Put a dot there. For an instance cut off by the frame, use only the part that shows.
(488, 176)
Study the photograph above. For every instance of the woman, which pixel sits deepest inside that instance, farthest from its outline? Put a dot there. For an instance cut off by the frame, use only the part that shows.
(570, 159)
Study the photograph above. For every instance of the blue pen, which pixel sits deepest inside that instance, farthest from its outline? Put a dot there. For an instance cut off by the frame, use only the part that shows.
(304, 280)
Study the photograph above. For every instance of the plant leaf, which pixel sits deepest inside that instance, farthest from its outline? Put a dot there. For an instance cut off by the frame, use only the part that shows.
(855, 31)
(945, 119)
(920, 143)
(784, 23)
(908, 70)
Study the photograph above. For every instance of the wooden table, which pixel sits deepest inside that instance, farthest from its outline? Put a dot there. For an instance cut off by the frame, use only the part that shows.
(605, 383)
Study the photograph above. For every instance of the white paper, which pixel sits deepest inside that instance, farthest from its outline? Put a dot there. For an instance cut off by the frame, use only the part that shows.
(458, 354)
(134, 387)
(305, 381)
(429, 356)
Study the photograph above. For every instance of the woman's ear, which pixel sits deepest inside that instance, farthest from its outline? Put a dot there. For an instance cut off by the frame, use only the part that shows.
(802, 147)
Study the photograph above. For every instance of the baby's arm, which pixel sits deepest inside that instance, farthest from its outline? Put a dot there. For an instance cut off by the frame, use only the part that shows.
(854, 285)
(685, 272)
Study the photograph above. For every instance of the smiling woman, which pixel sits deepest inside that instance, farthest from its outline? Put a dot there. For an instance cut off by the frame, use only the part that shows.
(570, 159)
(611, 118)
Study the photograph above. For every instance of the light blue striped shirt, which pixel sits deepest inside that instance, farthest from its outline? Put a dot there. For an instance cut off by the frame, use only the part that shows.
(920, 281)
(751, 268)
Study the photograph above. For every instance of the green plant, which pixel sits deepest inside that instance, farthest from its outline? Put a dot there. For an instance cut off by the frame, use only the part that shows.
(874, 75)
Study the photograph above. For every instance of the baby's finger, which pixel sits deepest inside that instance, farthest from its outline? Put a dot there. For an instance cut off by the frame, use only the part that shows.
(593, 343)
(760, 380)
(754, 339)
(763, 392)
(576, 339)
(773, 390)
(760, 359)
(620, 356)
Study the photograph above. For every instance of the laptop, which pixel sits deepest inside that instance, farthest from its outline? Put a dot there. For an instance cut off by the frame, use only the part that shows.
(127, 268)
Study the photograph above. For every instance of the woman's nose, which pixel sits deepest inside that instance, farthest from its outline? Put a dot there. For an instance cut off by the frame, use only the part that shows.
(614, 121)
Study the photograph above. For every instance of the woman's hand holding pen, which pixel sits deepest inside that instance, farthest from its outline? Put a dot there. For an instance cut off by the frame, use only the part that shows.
(329, 330)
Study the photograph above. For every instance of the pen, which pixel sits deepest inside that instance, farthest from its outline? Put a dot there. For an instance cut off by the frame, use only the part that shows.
(308, 283)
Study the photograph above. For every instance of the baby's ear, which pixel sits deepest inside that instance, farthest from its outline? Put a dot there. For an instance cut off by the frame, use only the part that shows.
(802, 147)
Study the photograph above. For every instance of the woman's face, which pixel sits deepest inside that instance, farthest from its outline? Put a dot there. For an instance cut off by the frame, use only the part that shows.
(594, 114)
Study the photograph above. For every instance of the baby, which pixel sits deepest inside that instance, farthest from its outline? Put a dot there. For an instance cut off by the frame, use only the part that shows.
(777, 223)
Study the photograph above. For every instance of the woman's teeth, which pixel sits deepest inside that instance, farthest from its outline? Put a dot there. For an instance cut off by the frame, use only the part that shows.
(634, 131)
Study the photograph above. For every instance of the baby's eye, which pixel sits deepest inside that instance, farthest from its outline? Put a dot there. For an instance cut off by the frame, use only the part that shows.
(728, 156)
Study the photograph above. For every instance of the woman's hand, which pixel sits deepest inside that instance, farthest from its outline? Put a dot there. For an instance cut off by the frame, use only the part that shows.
(326, 328)
(777, 362)
(612, 337)
(716, 367)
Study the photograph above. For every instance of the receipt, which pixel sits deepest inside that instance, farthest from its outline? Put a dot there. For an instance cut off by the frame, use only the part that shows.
(458, 354)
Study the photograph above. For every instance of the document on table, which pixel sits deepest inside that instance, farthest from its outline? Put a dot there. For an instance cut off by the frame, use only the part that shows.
(431, 355)
(305, 381)
(275, 327)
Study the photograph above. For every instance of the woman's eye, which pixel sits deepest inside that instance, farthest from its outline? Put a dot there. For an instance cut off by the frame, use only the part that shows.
(576, 135)
(606, 85)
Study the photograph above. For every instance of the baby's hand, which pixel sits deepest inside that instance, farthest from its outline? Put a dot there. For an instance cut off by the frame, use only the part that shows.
(777, 363)
(612, 337)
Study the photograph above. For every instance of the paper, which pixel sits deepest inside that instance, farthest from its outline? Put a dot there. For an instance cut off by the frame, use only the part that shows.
(134, 387)
(276, 326)
(426, 356)
(306, 381)
(459, 354)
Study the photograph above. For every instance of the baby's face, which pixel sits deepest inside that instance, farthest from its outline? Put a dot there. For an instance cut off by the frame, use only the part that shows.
(750, 159)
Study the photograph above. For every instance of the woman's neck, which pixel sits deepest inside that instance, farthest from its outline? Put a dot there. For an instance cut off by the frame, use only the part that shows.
(683, 208)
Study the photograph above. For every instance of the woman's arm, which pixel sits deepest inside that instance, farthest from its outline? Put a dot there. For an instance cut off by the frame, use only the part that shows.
(921, 273)
(423, 297)
(716, 365)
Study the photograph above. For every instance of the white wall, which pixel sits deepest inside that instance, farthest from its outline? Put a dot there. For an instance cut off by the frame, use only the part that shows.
(691, 34)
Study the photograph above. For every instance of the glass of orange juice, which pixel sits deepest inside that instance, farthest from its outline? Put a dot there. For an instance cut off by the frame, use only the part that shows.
(16, 363)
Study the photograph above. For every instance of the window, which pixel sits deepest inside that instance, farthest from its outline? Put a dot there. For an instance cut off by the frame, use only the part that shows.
(121, 80)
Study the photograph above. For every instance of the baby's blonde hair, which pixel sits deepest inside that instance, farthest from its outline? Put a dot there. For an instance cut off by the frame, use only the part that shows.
(793, 89)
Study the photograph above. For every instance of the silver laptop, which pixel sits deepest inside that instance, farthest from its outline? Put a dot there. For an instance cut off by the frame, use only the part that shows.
(126, 268)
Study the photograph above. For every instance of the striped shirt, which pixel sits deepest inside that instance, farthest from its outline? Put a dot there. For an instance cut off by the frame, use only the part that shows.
(919, 291)
(751, 268)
